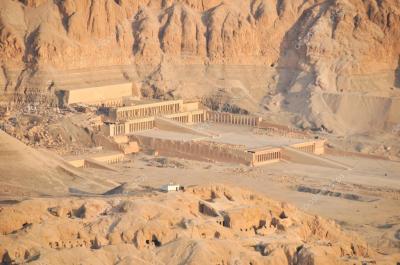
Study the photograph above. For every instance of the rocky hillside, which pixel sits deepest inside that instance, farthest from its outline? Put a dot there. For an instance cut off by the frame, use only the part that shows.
(259, 51)
(203, 225)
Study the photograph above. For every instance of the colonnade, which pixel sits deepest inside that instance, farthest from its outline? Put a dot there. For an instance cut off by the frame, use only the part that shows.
(131, 127)
(308, 148)
(188, 117)
(117, 129)
(107, 159)
(263, 157)
(140, 126)
(146, 110)
(114, 160)
(234, 119)
(197, 118)
(182, 119)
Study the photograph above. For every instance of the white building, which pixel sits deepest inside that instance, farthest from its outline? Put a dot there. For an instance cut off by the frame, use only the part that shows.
(170, 187)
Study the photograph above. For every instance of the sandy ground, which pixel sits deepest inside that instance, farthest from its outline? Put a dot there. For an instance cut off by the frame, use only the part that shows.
(364, 199)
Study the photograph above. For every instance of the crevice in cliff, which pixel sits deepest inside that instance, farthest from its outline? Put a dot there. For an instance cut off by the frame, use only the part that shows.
(89, 21)
(136, 25)
(6, 77)
(207, 22)
(63, 12)
(222, 33)
(257, 9)
(169, 12)
(31, 54)
(397, 75)
(182, 18)
(280, 7)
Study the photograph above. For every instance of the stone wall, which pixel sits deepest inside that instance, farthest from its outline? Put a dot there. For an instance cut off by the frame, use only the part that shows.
(197, 150)
(97, 95)
(92, 161)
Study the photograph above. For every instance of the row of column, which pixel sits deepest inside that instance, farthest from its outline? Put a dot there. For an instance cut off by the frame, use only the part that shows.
(268, 156)
(307, 149)
(182, 119)
(196, 118)
(148, 111)
(115, 160)
(119, 129)
(234, 119)
(141, 126)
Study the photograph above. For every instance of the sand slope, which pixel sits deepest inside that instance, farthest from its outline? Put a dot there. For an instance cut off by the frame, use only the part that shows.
(26, 171)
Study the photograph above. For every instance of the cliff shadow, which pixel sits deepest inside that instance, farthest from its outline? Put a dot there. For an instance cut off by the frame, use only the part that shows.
(397, 75)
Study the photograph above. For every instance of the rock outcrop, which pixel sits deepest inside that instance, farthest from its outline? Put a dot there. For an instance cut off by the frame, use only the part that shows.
(171, 228)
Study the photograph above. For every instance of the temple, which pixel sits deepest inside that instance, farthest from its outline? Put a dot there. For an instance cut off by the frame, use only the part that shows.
(187, 129)
(177, 128)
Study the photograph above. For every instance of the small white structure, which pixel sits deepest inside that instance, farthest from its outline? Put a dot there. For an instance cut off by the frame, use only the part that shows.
(170, 187)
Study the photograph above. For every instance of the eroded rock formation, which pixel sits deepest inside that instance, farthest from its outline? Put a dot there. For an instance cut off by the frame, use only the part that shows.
(245, 228)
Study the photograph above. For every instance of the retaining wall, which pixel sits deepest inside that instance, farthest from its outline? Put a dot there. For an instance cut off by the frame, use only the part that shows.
(96, 95)
(200, 150)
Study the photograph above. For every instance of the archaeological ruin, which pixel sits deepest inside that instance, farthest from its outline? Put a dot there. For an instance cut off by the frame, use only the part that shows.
(187, 129)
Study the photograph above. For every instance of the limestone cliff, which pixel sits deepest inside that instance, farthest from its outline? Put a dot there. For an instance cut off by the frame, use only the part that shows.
(255, 50)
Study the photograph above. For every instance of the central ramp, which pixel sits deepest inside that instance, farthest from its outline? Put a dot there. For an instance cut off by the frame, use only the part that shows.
(301, 157)
(171, 125)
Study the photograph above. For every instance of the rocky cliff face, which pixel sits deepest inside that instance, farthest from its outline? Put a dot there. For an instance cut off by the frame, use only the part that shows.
(288, 46)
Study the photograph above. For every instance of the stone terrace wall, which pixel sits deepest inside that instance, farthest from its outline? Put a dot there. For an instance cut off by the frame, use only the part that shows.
(197, 150)
(96, 95)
